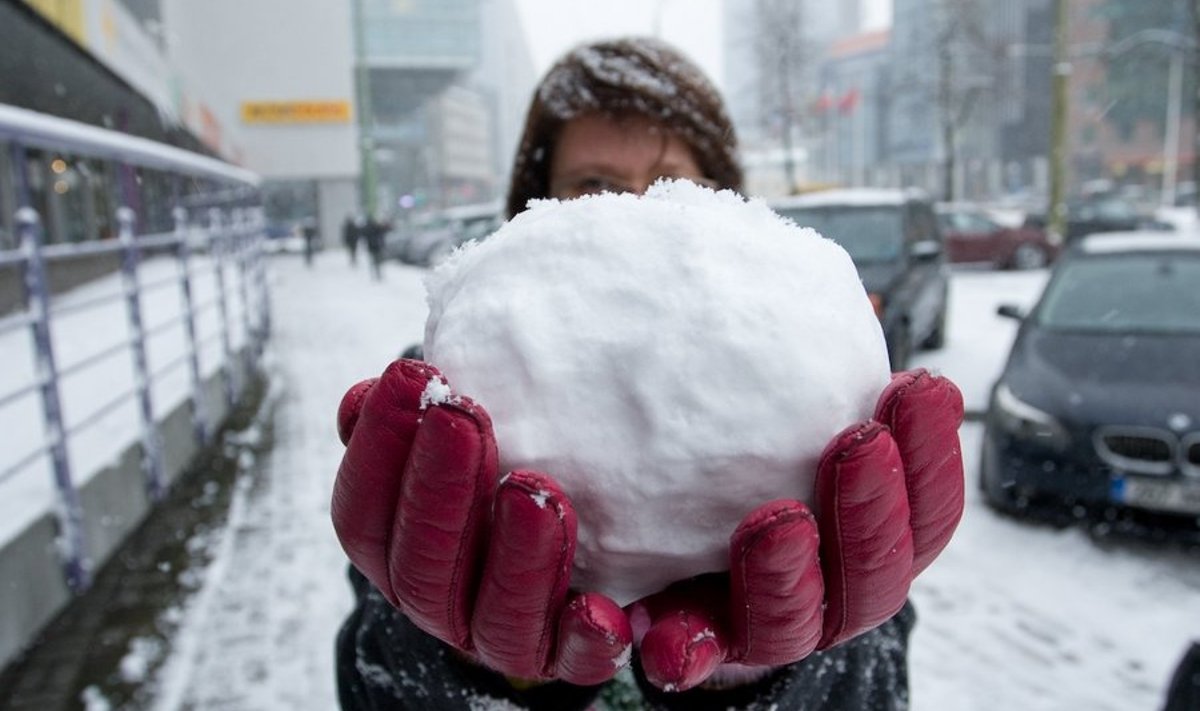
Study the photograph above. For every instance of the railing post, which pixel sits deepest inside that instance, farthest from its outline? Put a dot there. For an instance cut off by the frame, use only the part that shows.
(219, 244)
(260, 272)
(72, 544)
(151, 451)
(249, 327)
(200, 424)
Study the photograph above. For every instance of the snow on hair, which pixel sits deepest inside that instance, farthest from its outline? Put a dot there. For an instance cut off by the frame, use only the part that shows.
(631, 76)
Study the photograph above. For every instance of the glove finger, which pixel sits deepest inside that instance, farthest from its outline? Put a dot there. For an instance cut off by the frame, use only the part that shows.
(777, 592)
(523, 589)
(594, 640)
(379, 426)
(924, 413)
(351, 406)
(687, 637)
(866, 540)
(439, 533)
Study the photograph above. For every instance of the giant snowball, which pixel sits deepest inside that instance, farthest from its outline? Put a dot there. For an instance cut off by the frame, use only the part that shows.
(673, 360)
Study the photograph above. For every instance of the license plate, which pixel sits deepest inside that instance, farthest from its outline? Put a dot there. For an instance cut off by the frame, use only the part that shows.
(1175, 496)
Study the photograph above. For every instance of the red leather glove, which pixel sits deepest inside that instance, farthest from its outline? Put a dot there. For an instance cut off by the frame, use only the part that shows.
(480, 562)
(889, 494)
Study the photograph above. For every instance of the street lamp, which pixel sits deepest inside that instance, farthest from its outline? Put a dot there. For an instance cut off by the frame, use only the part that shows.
(1179, 45)
(366, 138)
(1056, 220)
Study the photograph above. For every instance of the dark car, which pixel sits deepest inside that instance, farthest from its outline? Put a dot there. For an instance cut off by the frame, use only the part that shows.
(1100, 214)
(1097, 412)
(894, 240)
(973, 237)
(431, 238)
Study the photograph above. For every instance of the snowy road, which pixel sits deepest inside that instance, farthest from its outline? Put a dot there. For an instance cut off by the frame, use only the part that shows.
(1011, 617)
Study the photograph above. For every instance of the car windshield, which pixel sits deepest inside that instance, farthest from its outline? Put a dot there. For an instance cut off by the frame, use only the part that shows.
(957, 221)
(1129, 293)
(870, 234)
(1104, 209)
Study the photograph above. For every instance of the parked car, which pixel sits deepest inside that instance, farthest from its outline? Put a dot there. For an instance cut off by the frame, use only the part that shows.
(429, 239)
(1097, 411)
(894, 240)
(1099, 214)
(972, 236)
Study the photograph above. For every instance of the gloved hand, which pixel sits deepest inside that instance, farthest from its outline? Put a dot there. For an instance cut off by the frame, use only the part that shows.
(889, 494)
(480, 562)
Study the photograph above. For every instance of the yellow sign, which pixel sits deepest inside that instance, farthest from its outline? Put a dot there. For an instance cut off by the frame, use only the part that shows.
(66, 15)
(296, 111)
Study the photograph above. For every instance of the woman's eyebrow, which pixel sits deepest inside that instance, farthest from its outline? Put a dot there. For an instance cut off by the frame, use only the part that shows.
(601, 167)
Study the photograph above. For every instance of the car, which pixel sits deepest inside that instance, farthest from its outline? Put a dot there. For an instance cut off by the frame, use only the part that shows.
(972, 236)
(1096, 414)
(1097, 214)
(433, 236)
(896, 244)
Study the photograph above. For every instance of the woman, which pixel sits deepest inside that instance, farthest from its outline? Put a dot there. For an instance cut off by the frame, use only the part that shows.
(460, 583)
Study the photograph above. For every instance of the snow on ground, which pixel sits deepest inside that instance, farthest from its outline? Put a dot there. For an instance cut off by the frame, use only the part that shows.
(1012, 616)
(260, 633)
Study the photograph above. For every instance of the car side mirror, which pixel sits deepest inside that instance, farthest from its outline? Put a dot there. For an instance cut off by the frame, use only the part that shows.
(925, 249)
(1010, 311)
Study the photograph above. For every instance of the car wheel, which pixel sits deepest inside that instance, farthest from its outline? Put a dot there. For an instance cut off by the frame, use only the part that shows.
(998, 497)
(1029, 256)
(937, 338)
(899, 348)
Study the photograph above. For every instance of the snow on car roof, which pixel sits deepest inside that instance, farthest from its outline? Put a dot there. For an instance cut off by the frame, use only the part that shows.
(1139, 241)
(859, 197)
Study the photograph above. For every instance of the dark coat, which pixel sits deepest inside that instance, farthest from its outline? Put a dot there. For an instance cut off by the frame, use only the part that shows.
(1184, 692)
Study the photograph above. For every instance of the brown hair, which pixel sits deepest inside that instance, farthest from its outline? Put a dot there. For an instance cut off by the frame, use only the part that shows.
(623, 77)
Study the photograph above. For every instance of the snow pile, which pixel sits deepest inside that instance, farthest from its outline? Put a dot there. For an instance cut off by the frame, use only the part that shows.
(673, 360)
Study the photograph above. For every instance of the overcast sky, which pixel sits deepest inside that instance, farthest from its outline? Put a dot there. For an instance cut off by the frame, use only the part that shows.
(554, 26)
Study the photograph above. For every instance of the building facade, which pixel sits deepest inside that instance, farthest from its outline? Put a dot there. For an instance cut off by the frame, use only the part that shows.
(781, 140)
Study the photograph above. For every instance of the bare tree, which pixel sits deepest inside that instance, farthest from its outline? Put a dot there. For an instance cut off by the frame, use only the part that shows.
(967, 66)
(785, 62)
(1196, 100)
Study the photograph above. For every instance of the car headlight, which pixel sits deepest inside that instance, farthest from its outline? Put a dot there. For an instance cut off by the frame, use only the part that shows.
(1025, 421)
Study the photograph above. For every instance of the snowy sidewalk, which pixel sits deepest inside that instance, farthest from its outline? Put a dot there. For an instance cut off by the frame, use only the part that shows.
(1012, 616)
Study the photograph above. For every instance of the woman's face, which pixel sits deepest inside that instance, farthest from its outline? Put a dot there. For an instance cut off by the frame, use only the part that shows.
(598, 154)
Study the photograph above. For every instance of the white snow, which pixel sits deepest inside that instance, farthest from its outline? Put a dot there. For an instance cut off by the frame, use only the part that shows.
(1110, 242)
(436, 392)
(1012, 616)
(673, 360)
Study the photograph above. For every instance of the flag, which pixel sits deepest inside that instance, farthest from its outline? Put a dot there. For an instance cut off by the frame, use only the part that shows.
(847, 103)
(824, 102)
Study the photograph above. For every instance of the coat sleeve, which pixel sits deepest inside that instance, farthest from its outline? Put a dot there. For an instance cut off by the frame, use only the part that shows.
(867, 673)
(384, 662)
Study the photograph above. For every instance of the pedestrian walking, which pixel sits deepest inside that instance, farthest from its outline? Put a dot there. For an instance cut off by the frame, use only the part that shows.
(351, 234)
(373, 233)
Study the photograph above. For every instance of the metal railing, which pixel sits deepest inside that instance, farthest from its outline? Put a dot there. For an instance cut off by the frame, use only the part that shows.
(218, 235)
